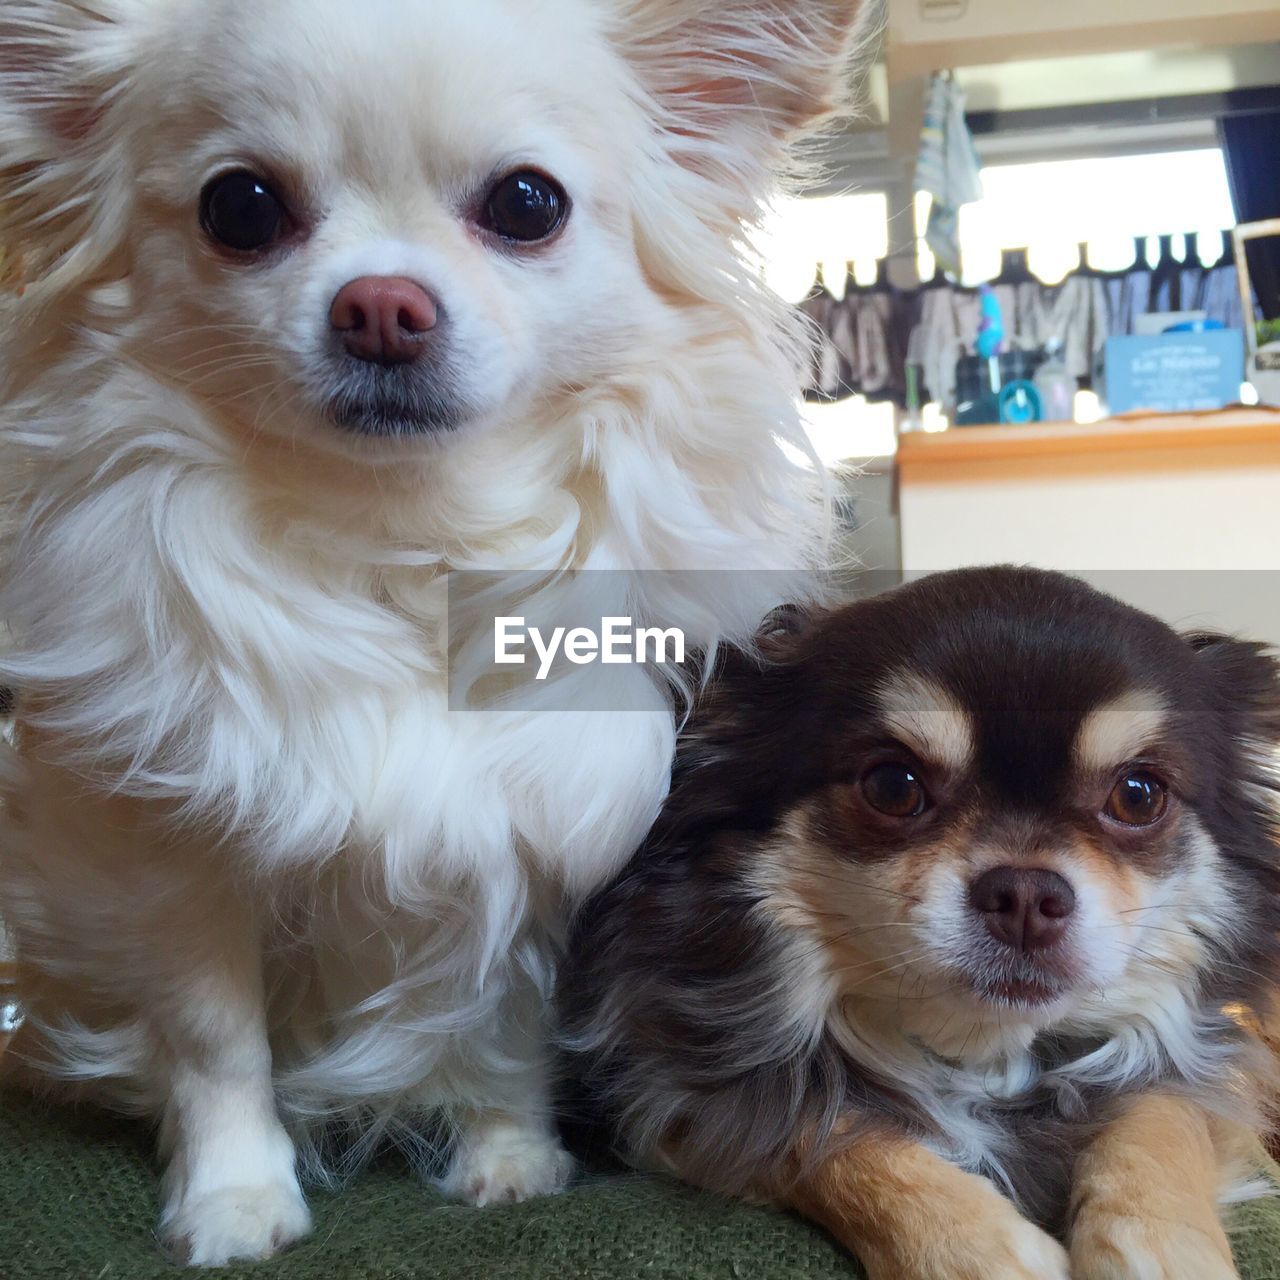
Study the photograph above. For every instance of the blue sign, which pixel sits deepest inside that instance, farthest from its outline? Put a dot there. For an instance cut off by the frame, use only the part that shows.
(1175, 372)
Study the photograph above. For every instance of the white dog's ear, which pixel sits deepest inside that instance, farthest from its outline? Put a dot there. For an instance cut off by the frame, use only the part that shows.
(780, 67)
(63, 64)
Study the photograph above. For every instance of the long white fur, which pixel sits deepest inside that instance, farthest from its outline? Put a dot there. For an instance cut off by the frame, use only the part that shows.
(254, 866)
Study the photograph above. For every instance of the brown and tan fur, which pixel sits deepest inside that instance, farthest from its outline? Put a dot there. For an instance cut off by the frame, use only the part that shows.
(1145, 1203)
(958, 936)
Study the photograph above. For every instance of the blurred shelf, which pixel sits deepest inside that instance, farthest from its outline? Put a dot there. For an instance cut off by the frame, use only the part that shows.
(1226, 429)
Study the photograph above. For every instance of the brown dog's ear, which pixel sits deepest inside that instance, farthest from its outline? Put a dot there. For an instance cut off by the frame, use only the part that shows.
(748, 749)
(1246, 684)
(777, 67)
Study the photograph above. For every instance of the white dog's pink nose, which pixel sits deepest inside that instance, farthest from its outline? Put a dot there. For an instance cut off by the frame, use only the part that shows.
(383, 319)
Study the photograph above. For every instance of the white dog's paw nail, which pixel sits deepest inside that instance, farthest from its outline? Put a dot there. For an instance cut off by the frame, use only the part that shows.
(507, 1165)
(238, 1222)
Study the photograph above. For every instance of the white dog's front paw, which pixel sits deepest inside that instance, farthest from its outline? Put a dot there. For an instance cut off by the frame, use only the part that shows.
(503, 1161)
(236, 1222)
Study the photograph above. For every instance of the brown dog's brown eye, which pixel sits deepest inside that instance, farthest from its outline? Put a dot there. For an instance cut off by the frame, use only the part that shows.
(1138, 800)
(894, 790)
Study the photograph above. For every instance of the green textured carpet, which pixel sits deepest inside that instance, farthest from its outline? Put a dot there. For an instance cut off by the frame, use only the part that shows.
(77, 1202)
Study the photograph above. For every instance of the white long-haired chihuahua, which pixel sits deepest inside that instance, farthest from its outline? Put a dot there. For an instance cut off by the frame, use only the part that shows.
(314, 305)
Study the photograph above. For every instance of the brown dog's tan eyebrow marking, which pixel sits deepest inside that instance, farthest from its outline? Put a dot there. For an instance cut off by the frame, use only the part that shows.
(927, 719)
(1119, 730)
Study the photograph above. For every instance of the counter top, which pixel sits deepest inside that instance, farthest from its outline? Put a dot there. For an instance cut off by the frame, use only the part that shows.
(1260, 426)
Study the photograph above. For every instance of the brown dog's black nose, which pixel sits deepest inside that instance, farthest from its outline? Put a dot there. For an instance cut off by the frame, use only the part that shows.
(1023, 908)
(383, 319)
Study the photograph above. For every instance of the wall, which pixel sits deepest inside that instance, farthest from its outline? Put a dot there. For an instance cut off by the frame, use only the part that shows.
(997, 30)
(869, 504)
(1191, 533)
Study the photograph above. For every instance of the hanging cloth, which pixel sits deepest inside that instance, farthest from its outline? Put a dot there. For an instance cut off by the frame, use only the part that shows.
(947, 167)
(1166, 279)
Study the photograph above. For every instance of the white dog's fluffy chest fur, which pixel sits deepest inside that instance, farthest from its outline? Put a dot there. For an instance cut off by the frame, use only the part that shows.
(228, 655)
(294, 692)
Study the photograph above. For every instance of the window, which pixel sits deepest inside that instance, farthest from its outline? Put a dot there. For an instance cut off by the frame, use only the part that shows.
(1052, 207)
(799, 234)
(1049, 207)
(832, 232)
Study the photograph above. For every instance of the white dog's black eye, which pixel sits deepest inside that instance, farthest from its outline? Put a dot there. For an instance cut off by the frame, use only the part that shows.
(240, 211)
(525, 207)
(1138, 800)
(895, 790)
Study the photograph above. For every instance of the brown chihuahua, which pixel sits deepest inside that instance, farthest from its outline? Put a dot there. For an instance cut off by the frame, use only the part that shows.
(951, 932)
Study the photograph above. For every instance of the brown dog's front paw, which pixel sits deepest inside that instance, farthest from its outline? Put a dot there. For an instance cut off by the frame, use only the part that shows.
(998, 1245)
(1113, 1246)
